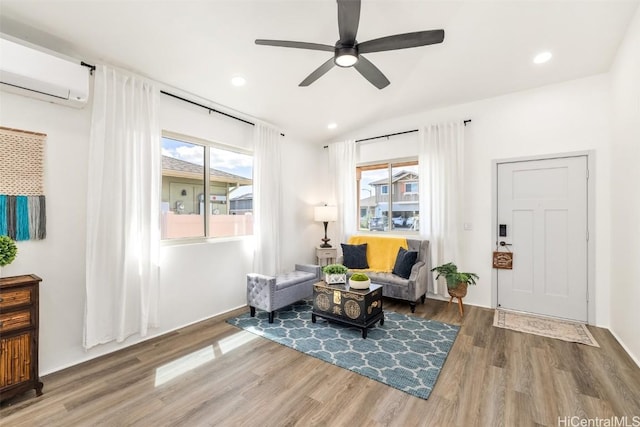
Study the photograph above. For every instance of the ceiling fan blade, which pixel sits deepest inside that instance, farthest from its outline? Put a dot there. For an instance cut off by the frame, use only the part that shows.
(348, 20)
(296, 45)
(402, 41)
(371, 73)
(319, 72)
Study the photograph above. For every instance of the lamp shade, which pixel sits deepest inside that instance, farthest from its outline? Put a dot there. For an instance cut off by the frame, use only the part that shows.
(325, 213)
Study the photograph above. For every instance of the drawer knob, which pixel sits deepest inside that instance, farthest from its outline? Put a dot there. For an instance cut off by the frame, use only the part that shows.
(1, 299)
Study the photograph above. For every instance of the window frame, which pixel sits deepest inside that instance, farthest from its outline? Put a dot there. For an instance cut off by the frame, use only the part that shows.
(389, 165)
(207, 145)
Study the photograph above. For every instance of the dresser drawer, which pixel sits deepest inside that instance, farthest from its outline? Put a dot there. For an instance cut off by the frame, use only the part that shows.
(325, 254)
(12, 298)
(330, 253)
(15, 320)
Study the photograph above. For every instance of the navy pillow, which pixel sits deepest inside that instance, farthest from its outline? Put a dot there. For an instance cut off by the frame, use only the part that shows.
(404, 263)
(355, 256)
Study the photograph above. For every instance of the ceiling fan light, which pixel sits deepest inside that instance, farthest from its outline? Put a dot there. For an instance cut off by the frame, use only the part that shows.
(542, 57)
(238, 81)
(346, 60)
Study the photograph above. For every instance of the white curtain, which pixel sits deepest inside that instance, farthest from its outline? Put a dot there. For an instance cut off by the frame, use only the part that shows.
(123, 208)
(342, 181)
(441, 162)
(267, 199)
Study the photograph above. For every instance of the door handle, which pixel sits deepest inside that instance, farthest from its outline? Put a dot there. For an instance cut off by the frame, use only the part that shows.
(503, 243)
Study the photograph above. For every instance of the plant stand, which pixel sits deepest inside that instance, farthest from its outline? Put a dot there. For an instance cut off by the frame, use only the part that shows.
(459, 293)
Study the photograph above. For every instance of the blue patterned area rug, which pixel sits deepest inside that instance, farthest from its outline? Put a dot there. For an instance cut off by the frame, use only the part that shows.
(406, 353)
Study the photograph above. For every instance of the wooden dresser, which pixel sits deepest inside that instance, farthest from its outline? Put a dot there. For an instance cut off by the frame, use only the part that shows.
(19, 335)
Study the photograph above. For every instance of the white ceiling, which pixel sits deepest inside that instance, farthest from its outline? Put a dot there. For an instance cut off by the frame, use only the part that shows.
(197, 46)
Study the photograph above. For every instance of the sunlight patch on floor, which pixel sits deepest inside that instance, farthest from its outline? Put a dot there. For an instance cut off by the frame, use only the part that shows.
(234, 341)
(191, 361)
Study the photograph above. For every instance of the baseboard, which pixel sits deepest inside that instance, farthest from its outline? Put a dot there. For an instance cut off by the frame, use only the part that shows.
(626, 349)
(446, 299)
(437, 297)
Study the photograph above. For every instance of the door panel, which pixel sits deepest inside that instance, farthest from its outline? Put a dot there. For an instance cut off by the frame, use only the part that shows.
(522, 226)
(556, 271)
(544, 204)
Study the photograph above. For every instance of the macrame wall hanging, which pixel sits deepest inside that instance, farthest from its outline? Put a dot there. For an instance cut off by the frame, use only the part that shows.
(22, 202)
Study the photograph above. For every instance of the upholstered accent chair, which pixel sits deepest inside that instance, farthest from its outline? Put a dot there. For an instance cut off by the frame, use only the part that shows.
(270, 293)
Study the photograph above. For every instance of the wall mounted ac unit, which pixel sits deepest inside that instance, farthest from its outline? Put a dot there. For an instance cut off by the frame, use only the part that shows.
(42, 75)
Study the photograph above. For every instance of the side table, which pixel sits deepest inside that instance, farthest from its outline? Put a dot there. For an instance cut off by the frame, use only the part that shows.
(326, 256)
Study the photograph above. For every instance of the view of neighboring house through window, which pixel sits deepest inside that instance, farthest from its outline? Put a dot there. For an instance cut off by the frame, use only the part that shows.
(388, 196)
(192, 169)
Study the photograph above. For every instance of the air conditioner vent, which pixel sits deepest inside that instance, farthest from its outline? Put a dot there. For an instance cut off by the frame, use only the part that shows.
(32, 72)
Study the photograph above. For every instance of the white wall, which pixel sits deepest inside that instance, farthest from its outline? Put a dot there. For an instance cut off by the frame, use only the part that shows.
(198, 280)
(60, 258)
(566, 117)
(625, 192)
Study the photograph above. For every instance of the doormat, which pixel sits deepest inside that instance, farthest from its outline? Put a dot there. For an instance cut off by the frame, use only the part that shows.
(406, 353)
(544, 326)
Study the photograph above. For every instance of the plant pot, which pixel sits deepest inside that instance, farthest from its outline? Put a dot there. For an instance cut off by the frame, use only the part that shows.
(459, 291)
(359, 284)
(332, 279)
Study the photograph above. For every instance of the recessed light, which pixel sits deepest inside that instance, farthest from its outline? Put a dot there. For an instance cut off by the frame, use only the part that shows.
(542, 57)
(332, 125)
(238, 81)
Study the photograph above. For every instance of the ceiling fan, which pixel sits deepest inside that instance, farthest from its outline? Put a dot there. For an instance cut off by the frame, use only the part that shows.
(347, 52)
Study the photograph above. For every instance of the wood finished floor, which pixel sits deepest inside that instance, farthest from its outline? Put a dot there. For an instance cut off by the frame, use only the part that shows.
(492, 377)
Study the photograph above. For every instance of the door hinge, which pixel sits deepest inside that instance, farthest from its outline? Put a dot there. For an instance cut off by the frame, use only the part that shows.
(587, 173)
(587, 235)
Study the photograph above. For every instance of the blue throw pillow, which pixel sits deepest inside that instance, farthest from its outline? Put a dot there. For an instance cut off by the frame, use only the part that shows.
(404, 263)
(355, 256)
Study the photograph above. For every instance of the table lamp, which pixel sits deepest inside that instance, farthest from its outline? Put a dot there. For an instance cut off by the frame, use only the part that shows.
(325, 214)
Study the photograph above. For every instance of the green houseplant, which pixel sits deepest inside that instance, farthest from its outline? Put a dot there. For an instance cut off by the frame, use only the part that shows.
(359, 281)
(335, 273)
(8, 250)
(457, 281)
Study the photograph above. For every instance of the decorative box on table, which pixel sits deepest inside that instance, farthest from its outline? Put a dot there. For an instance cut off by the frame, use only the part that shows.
(355, 307)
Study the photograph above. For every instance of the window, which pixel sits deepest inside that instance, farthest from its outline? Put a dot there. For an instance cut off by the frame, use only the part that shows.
(388, 196)
(186, 211)
(411, 187)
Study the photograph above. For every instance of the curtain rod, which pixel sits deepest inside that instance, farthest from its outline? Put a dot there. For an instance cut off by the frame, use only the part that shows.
(206, 108)
(397, 133)
(209, 108)
(387, 136)
(92, 68)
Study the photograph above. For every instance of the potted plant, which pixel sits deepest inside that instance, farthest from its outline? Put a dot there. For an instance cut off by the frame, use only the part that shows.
(457, 281)
(8, 250)
(335, 273)
(359, 281)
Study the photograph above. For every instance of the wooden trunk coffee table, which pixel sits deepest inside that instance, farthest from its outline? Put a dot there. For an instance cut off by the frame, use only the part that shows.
(361, 308)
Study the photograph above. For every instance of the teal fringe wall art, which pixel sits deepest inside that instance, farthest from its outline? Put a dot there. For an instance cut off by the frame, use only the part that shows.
(22, 200)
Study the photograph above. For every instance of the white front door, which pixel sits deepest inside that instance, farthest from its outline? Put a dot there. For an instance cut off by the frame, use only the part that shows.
(542, 216)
